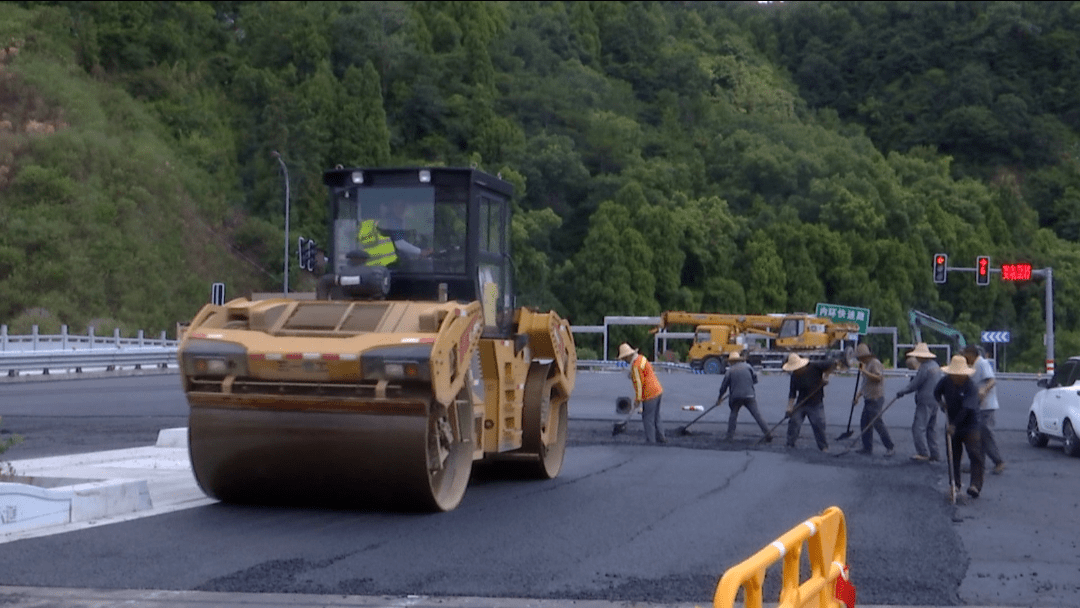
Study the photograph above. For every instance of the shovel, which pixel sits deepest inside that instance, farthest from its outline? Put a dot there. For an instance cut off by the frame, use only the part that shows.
(869, 425)
(854, 398)
(684, 430)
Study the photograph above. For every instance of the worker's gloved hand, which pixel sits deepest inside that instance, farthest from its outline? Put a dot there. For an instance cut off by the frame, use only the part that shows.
(790, 407)
(950, 429)
(898, 395)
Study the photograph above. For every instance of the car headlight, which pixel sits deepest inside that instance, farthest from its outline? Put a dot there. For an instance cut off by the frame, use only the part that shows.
(397, 363)
(214, 358)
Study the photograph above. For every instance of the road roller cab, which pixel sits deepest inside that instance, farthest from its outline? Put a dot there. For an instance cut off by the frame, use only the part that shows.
(409, 364)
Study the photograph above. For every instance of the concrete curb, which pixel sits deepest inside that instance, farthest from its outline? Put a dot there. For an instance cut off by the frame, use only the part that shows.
(33, 502)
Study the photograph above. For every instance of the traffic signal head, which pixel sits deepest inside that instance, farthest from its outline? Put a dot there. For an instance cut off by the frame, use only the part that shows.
(311, 249)
(941, 267)
(982, 270)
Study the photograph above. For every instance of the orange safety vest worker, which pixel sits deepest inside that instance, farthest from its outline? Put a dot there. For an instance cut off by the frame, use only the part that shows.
(378, 246)
(646, 384)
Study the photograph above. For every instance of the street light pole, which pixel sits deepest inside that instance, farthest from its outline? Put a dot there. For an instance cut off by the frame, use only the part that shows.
(284, 169)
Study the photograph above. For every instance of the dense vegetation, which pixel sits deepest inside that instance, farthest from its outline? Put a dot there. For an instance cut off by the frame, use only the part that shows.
(730, 157)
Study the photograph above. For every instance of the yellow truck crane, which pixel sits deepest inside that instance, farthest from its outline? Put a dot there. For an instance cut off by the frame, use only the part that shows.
(409, 364)
(766, 339)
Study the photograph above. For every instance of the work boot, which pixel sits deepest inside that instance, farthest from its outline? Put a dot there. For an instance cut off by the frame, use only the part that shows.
(973, 492)
(920, 458)
(1000, 468)
(890, 452)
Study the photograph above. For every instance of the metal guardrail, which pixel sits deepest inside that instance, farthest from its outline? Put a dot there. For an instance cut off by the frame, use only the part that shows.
(46, 362)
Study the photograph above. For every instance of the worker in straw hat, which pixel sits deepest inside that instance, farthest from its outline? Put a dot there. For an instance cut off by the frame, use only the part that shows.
(923, 428)
(873, 393)
(647, 392)
(959, 397)
(740, 379)
(806, 397)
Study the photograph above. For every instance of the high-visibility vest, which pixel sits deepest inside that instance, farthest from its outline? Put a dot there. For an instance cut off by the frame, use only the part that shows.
(646, 384)
(378, 246)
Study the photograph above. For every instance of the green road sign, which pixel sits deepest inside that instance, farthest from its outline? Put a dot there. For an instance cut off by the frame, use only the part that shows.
(845, 314)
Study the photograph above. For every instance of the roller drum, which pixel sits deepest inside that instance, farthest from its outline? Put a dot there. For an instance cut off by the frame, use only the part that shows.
(406, 455)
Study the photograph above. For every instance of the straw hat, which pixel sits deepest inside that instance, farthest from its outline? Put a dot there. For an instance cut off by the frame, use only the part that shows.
(625, 352)
(862, 351)
(735, 357)
(795, 362)
(958, 367)
(921, 351)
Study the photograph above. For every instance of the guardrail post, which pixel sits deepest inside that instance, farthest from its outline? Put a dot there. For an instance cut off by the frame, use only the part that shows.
(141, 339)
(64, 336)
(3, 337)
(33, 337)
(90, 336)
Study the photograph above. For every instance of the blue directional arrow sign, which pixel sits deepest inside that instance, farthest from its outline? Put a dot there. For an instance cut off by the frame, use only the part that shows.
(995, 336)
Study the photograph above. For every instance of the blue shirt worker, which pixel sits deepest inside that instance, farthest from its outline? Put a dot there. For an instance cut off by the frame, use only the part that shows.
(959, 397)
(923, 427)
(740, 380)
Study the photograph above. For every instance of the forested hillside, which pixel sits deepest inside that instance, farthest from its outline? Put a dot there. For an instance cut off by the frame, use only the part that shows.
(728, 157)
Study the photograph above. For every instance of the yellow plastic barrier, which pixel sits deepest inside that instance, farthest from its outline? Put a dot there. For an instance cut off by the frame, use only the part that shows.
(826, 539)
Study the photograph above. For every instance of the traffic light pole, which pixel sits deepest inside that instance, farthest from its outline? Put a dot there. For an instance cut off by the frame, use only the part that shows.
(1045, 273)
(1048, 274)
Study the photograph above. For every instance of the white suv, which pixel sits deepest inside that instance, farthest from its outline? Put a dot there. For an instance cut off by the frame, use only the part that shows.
(1055, 410)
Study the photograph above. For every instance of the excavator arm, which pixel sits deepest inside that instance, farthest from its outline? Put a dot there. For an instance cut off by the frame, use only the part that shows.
(918, 320)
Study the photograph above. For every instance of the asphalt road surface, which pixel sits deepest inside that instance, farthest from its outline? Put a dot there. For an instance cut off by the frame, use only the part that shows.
(624, 521)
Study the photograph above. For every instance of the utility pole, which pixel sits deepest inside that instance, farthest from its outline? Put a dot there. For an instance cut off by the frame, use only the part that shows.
(285, 170)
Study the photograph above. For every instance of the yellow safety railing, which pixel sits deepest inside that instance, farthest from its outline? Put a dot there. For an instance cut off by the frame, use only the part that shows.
(826, 539)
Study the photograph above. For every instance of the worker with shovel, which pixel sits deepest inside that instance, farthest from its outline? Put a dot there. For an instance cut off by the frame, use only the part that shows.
(959, 397)
(647, 392)
(873, 394)
(807, 388)
(740, 379)
(924, 426)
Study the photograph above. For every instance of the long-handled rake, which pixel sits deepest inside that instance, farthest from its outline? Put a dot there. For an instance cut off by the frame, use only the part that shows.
(789, 414)
(685, 430)
(869, 425)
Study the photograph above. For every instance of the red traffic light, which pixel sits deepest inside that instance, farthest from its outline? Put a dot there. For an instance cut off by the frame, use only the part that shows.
(982, 270)
(1018, 271)
(941, 267)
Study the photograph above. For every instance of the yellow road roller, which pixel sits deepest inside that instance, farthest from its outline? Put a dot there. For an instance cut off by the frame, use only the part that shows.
(408, 364)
